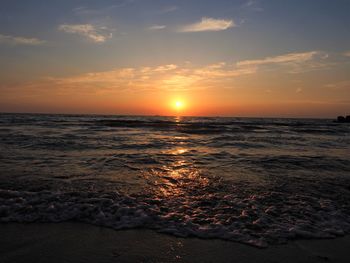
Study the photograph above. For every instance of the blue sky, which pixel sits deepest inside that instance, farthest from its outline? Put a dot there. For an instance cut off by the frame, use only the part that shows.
(67, 38)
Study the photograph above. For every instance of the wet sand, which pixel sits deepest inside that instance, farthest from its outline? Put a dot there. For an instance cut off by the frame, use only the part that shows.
(76, 242)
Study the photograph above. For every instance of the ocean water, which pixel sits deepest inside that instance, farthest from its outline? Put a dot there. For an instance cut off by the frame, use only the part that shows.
(255, 181)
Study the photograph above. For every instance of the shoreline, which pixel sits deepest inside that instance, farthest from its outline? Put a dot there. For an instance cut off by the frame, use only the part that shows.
(80, 242)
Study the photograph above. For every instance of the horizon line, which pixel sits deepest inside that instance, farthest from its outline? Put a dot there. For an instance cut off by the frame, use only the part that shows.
(183, 116)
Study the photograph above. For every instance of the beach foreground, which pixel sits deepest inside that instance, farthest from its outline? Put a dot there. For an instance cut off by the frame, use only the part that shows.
(77, 242)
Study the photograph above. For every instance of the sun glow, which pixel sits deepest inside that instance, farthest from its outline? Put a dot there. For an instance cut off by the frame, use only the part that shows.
(179, 104)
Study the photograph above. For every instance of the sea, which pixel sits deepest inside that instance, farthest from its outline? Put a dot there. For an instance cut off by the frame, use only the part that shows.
(258, 181)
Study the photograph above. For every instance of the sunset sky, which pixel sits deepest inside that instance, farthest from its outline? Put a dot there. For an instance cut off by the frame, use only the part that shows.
(217, 58)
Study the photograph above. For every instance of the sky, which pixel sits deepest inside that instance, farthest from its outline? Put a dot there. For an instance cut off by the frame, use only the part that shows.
(257, 58)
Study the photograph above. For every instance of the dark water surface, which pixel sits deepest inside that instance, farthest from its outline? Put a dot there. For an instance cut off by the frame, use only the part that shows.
(256, 181)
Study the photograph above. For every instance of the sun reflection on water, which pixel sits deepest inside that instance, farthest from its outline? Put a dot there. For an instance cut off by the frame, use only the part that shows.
(177, 176)
(178, 151)
(177, 179)
(177, 119)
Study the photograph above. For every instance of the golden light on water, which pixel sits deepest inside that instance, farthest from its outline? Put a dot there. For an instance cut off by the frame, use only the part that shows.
(177, 178)
(178, 151)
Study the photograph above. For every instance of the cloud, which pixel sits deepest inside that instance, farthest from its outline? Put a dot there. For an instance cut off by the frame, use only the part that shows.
(249, 3)
(296, 62)
(86, 11)
(20, 40)
(252, 5)
(286, 58)
(168, 77)
(208, 24)
(298, 90)
(340, 85)
(96, 34)
(168, 9)
(157, 27)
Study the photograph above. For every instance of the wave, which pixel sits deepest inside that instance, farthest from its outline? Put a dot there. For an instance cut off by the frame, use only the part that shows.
(255, 181)
(194, 206)
(228, 125)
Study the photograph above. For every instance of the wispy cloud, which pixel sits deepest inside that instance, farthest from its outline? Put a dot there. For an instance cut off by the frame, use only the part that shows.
(169, 77)
(13, 40)
(297, 62)
(252, 5)
(168, 9)
(94, 33)
(86, 11)
(298, 90)
(286, 58)
(156, 27)
(209, 24)
(339, 85)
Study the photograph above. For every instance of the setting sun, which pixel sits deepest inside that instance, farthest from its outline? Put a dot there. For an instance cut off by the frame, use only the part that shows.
(179, 104)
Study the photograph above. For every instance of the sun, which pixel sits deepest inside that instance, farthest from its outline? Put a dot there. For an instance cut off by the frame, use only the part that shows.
(179, 104)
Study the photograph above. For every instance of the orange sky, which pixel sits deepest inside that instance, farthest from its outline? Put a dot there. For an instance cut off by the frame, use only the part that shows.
(247, 88)
(228, 58)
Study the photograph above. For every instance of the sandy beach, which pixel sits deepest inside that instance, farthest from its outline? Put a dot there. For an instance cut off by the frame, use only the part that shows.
(77, 242)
